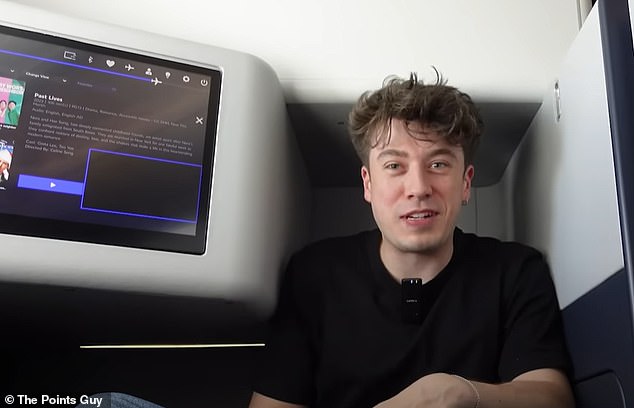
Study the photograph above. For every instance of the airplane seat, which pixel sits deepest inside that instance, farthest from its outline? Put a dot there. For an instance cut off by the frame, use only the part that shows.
(142, 196)
(129, 220)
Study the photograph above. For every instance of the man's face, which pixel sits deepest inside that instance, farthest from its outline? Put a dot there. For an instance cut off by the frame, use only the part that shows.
(3, 166)
(416, 189)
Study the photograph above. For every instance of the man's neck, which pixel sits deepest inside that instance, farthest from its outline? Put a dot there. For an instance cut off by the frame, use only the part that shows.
(423, 265)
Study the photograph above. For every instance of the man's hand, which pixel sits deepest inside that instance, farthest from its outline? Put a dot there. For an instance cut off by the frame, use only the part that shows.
(541, 388)
(437, 390)
(262, 401)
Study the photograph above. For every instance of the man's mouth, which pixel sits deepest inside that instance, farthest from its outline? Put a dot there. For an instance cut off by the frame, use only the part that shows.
(415, 216)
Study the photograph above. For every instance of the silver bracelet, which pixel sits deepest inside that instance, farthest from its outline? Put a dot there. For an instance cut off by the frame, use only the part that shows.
(473, 387)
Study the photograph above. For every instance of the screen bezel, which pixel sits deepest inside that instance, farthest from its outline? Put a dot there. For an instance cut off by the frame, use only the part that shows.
(122, 236)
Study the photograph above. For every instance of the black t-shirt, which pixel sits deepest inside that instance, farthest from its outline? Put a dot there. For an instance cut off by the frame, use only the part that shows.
(338, 339)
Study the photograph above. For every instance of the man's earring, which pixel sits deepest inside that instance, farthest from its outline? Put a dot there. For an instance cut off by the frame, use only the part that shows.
(465, 202)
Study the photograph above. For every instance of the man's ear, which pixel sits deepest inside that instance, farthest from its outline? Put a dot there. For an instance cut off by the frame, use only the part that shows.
(367, 184)
(468, 177)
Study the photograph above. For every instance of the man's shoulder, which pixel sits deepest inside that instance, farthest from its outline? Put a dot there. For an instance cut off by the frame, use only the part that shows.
(512, 264)
(337, 248)
(494, 248)
(322, 262)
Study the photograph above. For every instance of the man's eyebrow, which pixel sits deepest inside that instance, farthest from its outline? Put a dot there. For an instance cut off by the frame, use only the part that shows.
(443, 151)
(392, 152)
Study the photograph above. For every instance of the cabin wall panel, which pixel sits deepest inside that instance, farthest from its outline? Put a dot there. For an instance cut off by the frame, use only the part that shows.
(563, 187)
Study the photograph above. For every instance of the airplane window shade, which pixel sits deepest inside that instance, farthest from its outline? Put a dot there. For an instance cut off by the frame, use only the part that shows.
(103, 145)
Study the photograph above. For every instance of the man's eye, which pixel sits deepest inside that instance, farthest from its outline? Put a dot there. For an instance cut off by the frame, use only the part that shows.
(392, 166)
(438, 165)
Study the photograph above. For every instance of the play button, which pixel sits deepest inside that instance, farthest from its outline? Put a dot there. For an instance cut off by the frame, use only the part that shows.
(50, 184)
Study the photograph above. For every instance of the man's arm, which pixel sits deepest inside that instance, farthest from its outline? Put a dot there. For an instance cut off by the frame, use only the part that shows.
(262, 401)
(547, 388)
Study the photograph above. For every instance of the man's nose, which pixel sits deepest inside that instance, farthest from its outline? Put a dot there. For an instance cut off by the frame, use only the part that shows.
(417, 184)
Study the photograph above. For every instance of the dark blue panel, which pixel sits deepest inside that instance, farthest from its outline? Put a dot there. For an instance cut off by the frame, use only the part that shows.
(600, 339)
(603, 390)
(613, 300)
(618, 58)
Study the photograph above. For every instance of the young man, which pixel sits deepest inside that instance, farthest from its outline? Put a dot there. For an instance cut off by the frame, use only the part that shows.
(11, 116)
(5, 165)
(3, 110)
(486, 329)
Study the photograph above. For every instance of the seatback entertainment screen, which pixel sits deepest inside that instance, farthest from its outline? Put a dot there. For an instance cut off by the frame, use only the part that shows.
(105, 146)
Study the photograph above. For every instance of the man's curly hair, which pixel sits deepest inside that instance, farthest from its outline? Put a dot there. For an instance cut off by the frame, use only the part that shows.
(439, 108)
